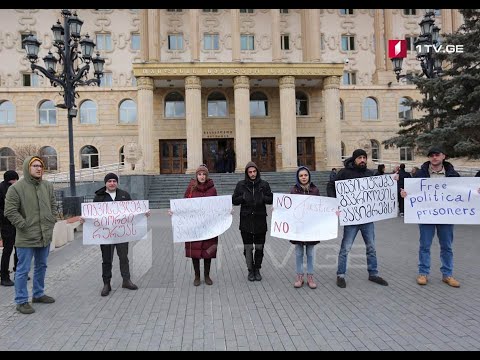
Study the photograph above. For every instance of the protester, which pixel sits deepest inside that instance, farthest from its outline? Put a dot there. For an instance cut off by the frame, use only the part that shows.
(402, 175)
(380, 170)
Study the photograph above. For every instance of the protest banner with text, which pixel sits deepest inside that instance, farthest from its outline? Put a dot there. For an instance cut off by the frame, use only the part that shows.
(451, 200)
(304, 217)
(367, 199)
(114, 222)
(200, 218)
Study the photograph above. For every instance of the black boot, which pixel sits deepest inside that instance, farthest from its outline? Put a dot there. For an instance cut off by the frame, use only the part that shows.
(248, 252)
(257, 275)
(196, 269)
(251, 275)
(206, 268)
(106, 288)
(6, 281)
(128, 284)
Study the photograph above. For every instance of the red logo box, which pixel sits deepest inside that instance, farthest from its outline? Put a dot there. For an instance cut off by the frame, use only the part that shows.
(397, 49)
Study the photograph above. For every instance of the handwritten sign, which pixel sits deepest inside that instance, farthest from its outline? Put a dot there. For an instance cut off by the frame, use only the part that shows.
(442, 201)
(200, 218)
(363, 200)
(114, 222)
(304, 217)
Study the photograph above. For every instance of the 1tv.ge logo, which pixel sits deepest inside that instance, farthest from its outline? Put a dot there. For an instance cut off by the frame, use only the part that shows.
(398, 48)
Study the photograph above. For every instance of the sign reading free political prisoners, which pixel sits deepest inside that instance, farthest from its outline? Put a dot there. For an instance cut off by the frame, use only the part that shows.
(114, 222)
(368, 199)
(449, 200)
(304, 217)
(200, 218)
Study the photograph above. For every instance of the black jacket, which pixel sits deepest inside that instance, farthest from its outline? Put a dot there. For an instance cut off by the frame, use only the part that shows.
(350, 171)
(8, 230)
(252, 196)
(449, 170)
(402, 175)
(101, 195)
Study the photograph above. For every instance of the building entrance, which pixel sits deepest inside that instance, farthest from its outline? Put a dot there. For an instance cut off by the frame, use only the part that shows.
(218, 155)
(263, 153)
(173, 156)
(306, 152)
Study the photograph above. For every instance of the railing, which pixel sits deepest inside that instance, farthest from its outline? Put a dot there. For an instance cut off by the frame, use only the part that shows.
(86, 175)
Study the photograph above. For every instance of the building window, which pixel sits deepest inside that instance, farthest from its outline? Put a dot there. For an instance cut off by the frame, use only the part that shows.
(216, 105)
(7, 113)
(210, 42)
(175, 42)
(104, 42)
(246, 11)
(409, 11)
(174, 105)
(135, 42)
(121, 155)
(346, 11)
(7, 159)
(89, 156)
(375, 150)
(406, 154)
(349, 78)
(49, 157)
(258, 104)
(404, 111)
(370, 109)
(247, 42)
(88, 112)
(210, 10)
(285, 42)
(23, 37)
(30, 80)
(47, 113)
(106, 80)
(348, 42)
(283, 11)
(128, 112)
(343, 150)
(411, 42)
(342, 110)
(301, 101)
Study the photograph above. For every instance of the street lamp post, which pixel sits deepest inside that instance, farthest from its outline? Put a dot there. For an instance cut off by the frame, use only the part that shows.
(431, 66)
(66, 39)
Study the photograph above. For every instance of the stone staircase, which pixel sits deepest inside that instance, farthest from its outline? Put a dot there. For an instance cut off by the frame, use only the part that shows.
(166, 187)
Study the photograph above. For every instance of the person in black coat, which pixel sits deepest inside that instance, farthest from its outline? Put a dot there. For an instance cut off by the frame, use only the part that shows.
(252, 194)
(402, 175)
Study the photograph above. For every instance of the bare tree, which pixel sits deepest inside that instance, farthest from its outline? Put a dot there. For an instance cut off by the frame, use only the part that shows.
(24, 151)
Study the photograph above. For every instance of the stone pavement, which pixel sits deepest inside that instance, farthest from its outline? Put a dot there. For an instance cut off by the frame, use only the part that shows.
(169, 313)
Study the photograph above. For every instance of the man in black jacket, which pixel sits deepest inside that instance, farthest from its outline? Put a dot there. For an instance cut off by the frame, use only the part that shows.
(356, 167)
(402, 175)
(252, 194)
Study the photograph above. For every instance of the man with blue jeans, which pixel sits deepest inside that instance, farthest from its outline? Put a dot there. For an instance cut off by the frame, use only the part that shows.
(356, 167)
(30, 206)
(435, 167)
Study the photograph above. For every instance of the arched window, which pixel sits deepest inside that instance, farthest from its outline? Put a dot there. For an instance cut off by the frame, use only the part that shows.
(7, 113)
(217, 105)
(89, 156)
(342, 144)
(342, 110)
(404, 111)
(49, 157)
(88, 112)
(121, 155)
(258, 104)
(370, 109)
(128, 112)
(174, 105)
(7, 159)
(47, 113)
(375, 149)
(301, 102)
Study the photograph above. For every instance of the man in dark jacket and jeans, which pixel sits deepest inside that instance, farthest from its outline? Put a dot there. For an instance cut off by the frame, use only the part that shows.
(252, 194)
(356, 167)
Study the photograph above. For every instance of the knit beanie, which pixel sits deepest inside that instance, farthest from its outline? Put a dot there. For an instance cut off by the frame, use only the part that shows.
(110, 176)
(10, 175)
(202, 168)
(357, 153)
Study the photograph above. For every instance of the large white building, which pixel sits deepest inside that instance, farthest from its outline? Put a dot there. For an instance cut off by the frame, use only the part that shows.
(280, 86)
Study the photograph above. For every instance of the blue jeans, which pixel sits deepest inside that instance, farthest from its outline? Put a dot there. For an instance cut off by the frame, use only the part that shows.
(40, 255)
(445, 237)
(299, 258)
(368, 234)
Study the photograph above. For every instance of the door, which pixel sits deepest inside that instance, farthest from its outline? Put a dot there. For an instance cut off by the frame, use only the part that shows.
(263, 153)
(218, 155)
(173, 156)
(306, 152)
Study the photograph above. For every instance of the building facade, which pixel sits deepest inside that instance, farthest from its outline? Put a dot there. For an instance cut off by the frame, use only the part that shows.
(281, 87)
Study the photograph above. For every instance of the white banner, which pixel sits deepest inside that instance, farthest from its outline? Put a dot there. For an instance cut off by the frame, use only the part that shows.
(200, 218)
(445, 200)
(304, 217)
(368, 199)
(114, 222)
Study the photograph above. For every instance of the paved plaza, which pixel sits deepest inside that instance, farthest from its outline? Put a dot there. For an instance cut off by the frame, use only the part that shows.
(168, 313)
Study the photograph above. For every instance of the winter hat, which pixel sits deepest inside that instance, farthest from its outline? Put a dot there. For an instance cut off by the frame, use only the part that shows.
(110, 176)
(435, 150)
(10, 175)
(358, 152)
(202, 168)
(36, 158)
(250, 164)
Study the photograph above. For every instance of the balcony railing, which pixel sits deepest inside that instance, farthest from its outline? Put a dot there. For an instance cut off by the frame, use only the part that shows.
(86, 175)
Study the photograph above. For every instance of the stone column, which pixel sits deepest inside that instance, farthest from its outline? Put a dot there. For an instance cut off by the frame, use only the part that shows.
(276, 49)
(154, 35)
(446, 21)
(235, 18)
(305, 32)
(314, 34)
(457, 19)
(144, 34)
(194, 31)
(193, 107)
(388, 34)
(241, 86)
(379, 41)
(288, 123)
(332, 122)
(145, 123)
